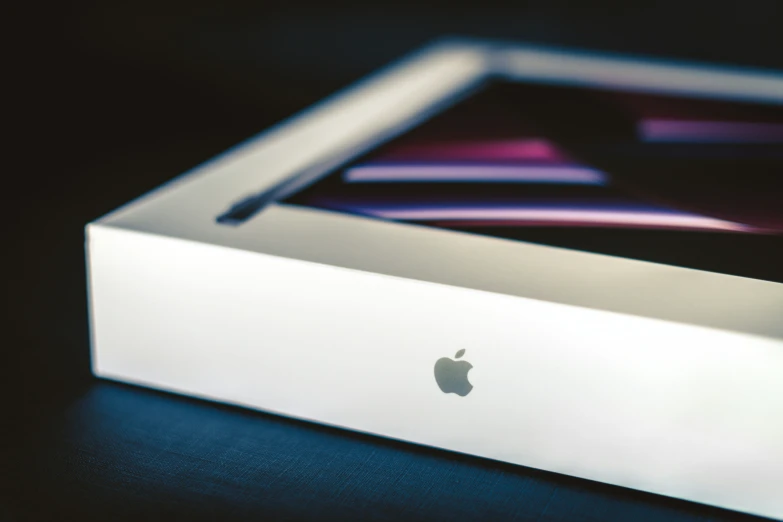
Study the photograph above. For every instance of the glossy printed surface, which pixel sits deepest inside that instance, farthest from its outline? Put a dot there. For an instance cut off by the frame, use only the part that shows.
(671, 179)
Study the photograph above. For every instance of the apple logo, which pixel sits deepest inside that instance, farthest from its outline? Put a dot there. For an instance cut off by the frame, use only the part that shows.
(452, 376)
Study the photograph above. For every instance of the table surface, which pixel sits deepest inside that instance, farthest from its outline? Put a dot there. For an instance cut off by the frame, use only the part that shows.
(125, 102)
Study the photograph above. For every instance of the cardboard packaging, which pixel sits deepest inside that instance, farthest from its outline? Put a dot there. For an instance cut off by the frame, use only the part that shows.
(648, 376)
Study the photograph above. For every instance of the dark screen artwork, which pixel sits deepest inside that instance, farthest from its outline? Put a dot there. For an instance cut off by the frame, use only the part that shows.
(685, 181)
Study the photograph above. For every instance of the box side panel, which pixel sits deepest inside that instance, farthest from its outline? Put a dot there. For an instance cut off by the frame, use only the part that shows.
(680, 410)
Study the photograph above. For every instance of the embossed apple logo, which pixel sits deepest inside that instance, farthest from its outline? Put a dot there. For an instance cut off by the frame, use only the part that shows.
(452, 376)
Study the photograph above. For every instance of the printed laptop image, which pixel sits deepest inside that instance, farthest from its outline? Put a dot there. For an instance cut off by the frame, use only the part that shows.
(685, 181)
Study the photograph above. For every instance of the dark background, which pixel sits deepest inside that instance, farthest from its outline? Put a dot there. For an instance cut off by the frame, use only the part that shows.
(107, 102)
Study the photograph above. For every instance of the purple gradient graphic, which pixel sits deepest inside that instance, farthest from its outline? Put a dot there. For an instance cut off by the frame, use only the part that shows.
(535, 149)
(572, 175)
(555, 216)
(700, 131)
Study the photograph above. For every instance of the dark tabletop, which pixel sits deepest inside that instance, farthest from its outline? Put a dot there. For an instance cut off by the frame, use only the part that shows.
(117, 100)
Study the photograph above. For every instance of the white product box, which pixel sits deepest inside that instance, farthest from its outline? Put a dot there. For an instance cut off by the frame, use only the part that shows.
(648, 376)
